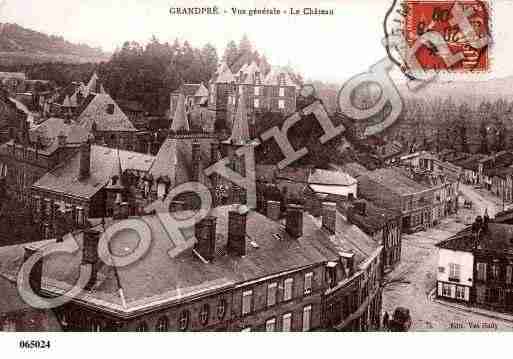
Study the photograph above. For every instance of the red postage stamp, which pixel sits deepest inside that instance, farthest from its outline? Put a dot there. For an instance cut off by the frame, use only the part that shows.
(440, 16)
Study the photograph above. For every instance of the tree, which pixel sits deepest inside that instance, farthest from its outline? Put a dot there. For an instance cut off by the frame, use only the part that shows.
(231, 54)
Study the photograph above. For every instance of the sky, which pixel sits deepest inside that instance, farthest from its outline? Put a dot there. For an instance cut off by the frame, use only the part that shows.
(326, 48)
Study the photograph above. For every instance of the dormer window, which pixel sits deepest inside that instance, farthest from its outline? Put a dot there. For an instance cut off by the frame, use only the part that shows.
(110, 109)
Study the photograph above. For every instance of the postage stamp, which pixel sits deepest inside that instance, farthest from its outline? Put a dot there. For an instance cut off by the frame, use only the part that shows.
(461, 24)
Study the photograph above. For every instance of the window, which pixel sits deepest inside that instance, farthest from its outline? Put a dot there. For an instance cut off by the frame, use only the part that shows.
(257, 103)
(282, 91)
(454, 272)
(270, 325)
(183, 321)
(162, 325)
(287, 294)
(204, 314)
(247, 298)
(281, 104)
(307, 313)
(308, 283)
(257, 91)
(509, 273)
(287, 322)
(495, 272)
(481, 271)
(446, 290)
(460, 292)
(110, 109)
(271, 294)
(221, 309)
(142, 327)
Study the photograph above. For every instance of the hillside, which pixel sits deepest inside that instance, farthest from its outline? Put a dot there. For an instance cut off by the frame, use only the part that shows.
(23, 46)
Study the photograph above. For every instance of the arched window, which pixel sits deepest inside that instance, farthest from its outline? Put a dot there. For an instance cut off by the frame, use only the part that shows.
(183, 321)
(142, 327)
(204, 314)
(221, 309)
(162, 325)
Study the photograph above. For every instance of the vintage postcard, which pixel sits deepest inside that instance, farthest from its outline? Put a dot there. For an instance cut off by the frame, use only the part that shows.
(255, 166)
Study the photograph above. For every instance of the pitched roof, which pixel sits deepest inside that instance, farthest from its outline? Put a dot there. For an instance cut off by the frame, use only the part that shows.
(174, 159)
(394, 181)
(180, 122)
(97, 112)
(170, 272)
(333, 178)
(497, 238)
(224, 74)
(104, 161)
(48, 131)
(277, 73)
(374, 218)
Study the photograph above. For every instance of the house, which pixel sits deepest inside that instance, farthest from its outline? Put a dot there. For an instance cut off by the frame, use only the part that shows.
(475, 266)
(499, 159)
(37, 151)
(391, 189)
(13, 118)
(382, 225)
(81, 184)
(354, 169)
(11, 81)
(232, 272)
(105, 120)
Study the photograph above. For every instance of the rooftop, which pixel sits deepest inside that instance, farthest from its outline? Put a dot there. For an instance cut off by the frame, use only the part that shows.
(170, 272)
(105, 114)
(64, 179)
(394, 181)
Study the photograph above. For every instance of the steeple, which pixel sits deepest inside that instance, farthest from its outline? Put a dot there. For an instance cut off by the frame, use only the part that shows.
(180, 122)
(240, 130)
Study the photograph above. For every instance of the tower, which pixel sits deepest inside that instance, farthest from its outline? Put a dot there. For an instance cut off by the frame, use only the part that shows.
(115, 191)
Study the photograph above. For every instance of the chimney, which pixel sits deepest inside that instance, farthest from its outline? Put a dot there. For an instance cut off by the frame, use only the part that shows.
(36, 274)
(329, 216)
(348, 260)
(123, 210)
(215, 153)
(45, 231)
(196, 161)
(90, 253)
(85, 160)
(294, 220)
(205, 232)
(274, 210)
(237, 233)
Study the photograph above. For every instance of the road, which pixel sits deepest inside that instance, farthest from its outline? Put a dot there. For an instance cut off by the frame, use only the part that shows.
(411, 282)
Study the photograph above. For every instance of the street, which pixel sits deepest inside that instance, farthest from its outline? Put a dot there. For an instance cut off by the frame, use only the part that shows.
(411, 282)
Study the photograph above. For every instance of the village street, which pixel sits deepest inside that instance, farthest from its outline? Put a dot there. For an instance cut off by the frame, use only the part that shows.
(412, 282)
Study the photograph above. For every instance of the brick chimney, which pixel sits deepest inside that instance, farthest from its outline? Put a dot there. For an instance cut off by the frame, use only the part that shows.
(274, 210)
(294, 220)
(237, 233)
(329, 216)
(215, 154)
(85, 160)
(196, 161)
(205, 232)
(90, 253)
(36, 274)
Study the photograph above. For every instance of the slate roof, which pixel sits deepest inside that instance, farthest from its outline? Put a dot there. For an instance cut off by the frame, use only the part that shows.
(333, 178)
(169, 272)
(498, 238)
(375, 217)
(273, 77)
(49, 130)
(174, 159)
(104, 161)
(224, 74)
(96, 112)
(395, 181)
